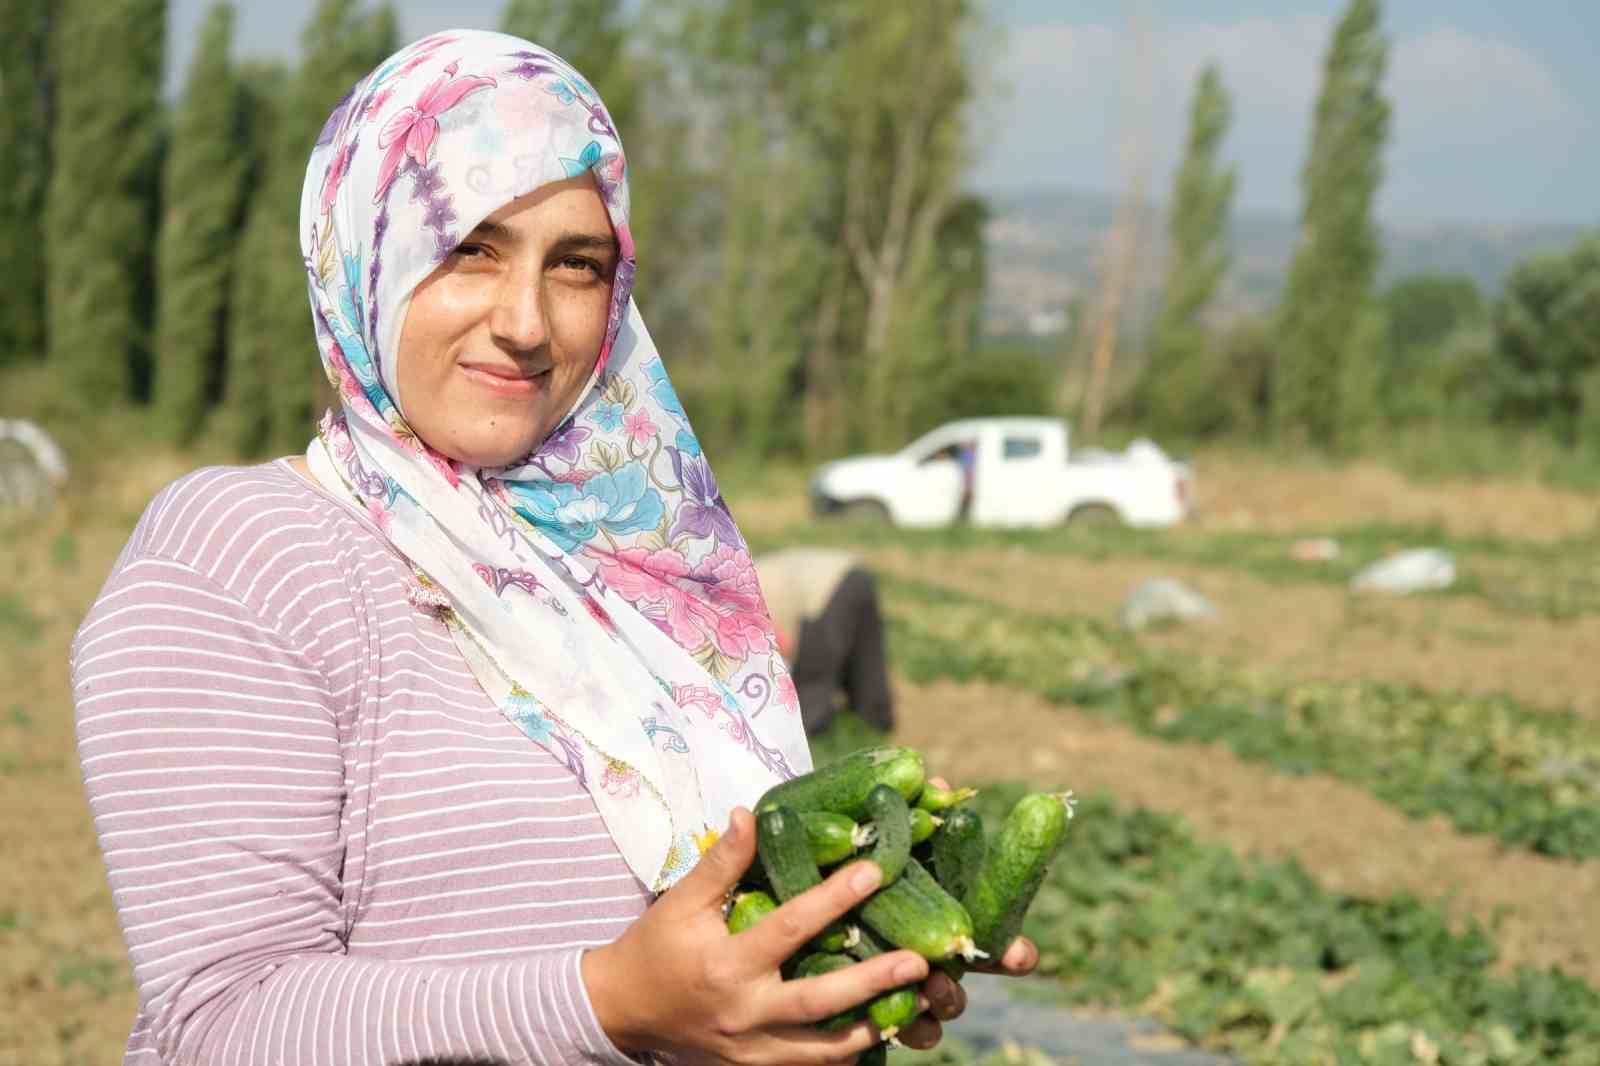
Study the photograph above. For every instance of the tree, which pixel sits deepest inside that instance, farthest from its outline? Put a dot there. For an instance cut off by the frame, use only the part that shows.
(1330, 279)
(1547, 339)
(1180, 370)
(1423, 313)
(257, 259)
(25, 101)
(589, 34)
(203, 190)
(98, 223)
(340, 45)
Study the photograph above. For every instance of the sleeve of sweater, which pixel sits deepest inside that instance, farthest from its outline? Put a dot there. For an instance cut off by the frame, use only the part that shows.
(210, 750)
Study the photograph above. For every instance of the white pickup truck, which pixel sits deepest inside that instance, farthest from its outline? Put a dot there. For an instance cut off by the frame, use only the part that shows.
(1006, 472)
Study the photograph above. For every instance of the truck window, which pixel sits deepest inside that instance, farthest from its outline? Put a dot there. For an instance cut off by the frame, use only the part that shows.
(1022, 448)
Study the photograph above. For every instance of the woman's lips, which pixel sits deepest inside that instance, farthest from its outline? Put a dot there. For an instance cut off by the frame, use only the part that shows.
(505, 381)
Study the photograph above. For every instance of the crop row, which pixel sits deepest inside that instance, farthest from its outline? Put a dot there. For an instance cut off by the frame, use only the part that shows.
(1489, 764)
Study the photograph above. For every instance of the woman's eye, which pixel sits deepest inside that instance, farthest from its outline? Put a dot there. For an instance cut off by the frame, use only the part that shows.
(577, 262)
(469, 251)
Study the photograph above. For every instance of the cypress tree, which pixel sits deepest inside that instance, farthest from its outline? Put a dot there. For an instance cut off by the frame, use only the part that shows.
(24, 173)
(339, 46)
(203, 187)
(106, 149)
(589, 34)
(263, 90)
(1171, 394)
(1331, 277)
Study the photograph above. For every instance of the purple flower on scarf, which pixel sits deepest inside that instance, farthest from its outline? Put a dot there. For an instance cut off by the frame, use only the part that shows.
(531, 66)
(563, 443)
(702, 513)
(410, 133)
(440, 214)
(425, 182)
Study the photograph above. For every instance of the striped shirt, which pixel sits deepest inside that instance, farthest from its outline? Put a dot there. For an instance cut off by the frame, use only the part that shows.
(325, 844)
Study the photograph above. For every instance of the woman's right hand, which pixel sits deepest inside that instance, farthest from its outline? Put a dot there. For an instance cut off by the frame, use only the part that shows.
(678, 982)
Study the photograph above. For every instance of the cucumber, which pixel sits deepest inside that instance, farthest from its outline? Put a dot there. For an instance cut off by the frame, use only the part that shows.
(785, 854)
(891, 820)
(922, 825)
(892, 1010)
(842, 786)
(833, 837)
(915, 913)
(934, 799)
(1012, 871)
(958, 850)
(748, 909)
(827, 962)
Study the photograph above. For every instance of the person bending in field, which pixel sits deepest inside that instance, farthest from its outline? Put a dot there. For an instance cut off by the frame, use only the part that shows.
(824, 606)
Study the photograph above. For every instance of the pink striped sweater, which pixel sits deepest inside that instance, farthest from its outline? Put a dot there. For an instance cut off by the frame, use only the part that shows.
(325, 844)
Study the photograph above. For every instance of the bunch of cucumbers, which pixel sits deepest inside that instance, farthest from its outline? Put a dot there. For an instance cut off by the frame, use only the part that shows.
(876, 804)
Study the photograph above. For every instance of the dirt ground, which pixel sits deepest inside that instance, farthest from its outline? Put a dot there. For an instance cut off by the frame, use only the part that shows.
(1348, 840)
(1311, 631)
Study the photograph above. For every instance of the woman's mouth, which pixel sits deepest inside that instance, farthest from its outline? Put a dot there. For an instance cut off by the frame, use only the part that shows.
(505, 380)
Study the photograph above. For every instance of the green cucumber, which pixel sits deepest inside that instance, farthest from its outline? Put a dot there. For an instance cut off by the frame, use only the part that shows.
(1012, 871)
(748, 909)
(934, 799)
(891, 821)
(922, 825)
(785, 853)
(833, 837)
(824, 962)
(958, 850)
(842, 786)
(915, 913)
(892, 1010)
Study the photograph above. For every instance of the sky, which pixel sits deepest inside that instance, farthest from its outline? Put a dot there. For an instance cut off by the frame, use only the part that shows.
(1496, 102)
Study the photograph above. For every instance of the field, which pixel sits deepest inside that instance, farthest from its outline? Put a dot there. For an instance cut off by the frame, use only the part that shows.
(1321, 828)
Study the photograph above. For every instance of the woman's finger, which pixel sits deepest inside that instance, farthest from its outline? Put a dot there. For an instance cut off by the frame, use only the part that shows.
(720, 868)
(1018, 960)
(783, 932)
(815, 999)
(806, 1045)
(922, 1033)
(946, 998)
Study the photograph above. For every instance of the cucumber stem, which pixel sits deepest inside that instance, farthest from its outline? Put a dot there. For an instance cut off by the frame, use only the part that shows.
(864, 834)
(969, 950)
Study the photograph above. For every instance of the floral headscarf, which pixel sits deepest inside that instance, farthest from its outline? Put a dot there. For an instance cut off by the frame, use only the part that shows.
(599, 587)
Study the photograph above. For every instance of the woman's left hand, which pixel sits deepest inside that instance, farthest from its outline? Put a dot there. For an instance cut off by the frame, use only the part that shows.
(946, 999)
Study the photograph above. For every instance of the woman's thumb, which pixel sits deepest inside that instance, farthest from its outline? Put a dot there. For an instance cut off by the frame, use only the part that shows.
(726, 861)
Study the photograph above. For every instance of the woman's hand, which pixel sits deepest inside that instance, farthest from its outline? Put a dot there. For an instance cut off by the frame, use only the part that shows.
(678, 981)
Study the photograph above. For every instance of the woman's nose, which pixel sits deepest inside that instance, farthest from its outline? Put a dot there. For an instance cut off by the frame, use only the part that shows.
(517, 319)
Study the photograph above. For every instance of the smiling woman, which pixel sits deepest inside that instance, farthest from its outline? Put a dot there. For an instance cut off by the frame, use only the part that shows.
(427, 745)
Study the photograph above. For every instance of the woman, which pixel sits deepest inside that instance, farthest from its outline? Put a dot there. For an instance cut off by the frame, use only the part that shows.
(408, 750)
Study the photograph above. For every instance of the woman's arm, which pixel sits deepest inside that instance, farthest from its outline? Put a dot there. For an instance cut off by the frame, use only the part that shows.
(211, 753)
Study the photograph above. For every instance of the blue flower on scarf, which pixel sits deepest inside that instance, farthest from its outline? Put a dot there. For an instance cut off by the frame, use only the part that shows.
(608, 416)
(585, 161)
(661, 389)
(687, 443)
(621, 501)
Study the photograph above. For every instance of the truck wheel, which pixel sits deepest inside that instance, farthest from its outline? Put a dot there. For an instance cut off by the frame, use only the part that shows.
(865, 512)
(1094, 516)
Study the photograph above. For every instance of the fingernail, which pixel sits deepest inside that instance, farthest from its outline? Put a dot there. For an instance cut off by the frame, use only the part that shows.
(866, 877)
(909, 970)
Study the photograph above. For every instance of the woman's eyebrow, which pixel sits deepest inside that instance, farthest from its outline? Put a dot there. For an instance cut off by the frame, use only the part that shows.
(585, 242)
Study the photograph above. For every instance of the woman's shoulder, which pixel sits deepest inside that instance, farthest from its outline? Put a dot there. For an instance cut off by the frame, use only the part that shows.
(232, 524)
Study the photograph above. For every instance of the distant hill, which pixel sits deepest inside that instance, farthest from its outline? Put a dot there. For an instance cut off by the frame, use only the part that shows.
(1045, 248)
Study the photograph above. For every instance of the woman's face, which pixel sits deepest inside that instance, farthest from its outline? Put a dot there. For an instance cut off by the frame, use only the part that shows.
(500, 340)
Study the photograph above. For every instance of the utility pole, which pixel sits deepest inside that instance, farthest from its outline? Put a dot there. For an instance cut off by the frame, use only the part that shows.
(1122, 244)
